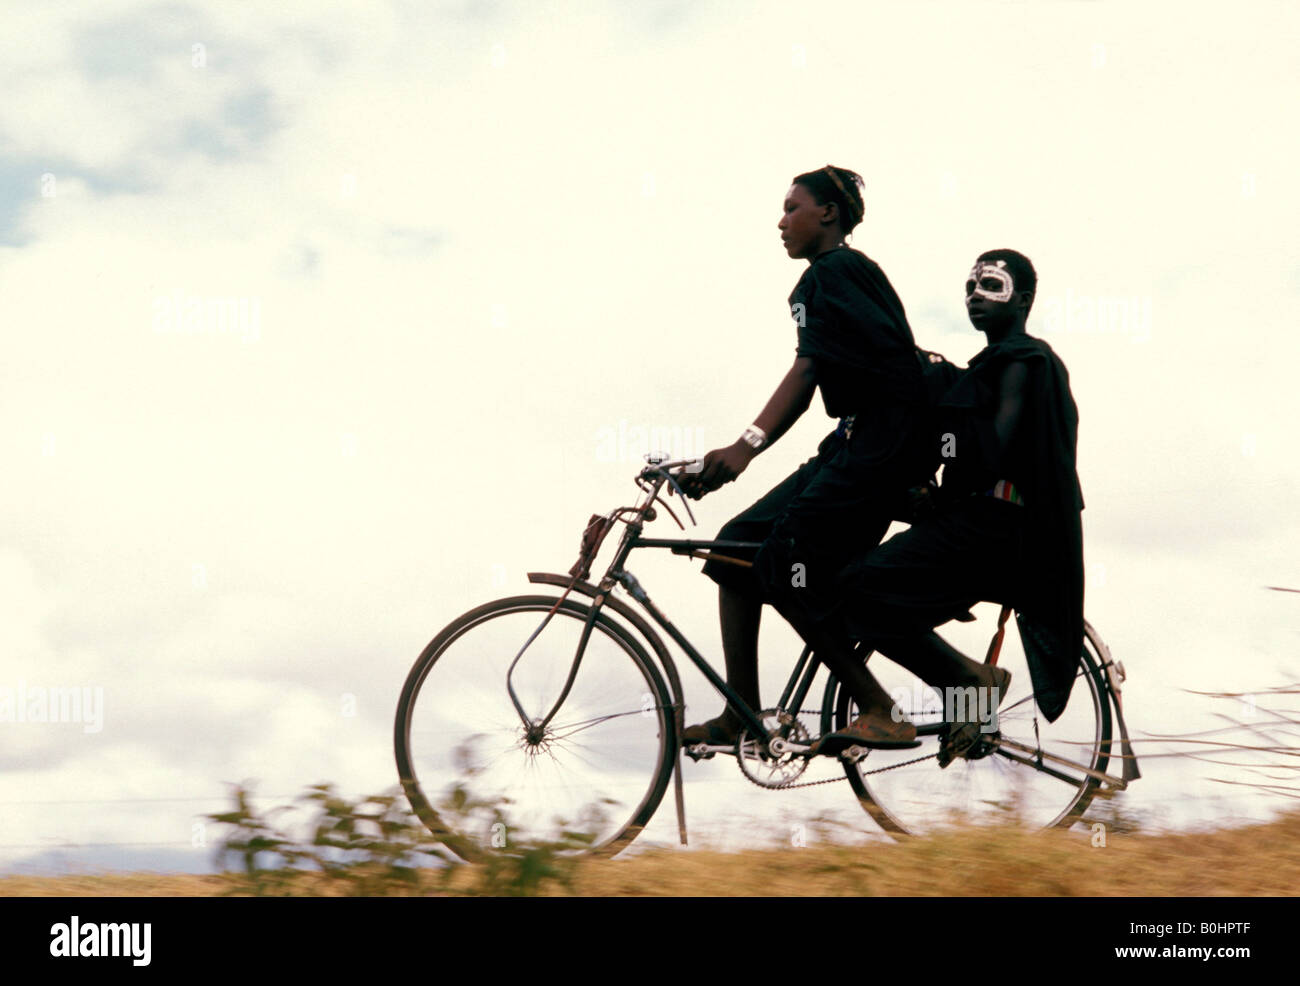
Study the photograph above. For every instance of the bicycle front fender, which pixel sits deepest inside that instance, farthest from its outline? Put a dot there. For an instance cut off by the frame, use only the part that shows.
(656, 643)
(633, 617)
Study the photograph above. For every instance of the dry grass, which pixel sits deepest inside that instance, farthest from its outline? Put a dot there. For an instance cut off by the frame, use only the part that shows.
(1262, 860)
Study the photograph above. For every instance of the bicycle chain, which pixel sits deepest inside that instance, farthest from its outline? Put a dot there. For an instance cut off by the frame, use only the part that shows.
(832, 780)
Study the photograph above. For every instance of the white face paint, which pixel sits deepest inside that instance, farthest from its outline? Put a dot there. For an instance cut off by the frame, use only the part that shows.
(986, 271)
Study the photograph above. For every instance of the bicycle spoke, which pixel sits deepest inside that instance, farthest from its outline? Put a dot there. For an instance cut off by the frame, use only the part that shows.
(988, 782)
(607, 740)
(587, 724)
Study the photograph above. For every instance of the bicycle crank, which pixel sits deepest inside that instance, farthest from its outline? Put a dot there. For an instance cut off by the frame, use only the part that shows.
(778, 759)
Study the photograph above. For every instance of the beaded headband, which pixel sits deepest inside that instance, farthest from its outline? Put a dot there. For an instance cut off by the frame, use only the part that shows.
(854, 213)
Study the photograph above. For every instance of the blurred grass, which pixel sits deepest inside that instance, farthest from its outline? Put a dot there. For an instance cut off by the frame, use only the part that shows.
(1258, 860)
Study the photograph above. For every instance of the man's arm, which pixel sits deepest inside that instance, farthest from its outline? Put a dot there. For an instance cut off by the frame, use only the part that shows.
(790, 399)
(1011, 401)
(788, 403)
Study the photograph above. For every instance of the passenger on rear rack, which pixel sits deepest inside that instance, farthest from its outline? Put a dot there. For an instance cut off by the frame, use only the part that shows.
(1006, 527)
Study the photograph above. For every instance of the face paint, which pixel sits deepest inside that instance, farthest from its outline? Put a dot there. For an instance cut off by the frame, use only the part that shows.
(984, 270)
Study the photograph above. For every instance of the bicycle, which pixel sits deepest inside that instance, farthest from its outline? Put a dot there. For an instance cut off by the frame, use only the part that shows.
(527, 732)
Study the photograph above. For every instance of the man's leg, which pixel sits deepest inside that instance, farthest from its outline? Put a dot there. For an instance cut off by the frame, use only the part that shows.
(928, 575)
(934, 660)
(875, 724)
(739, 614)
(832, 649)
(843, 512)
(740, 601)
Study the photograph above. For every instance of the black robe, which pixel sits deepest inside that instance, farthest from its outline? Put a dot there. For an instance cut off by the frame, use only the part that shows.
(1041, 463)
(852, 324)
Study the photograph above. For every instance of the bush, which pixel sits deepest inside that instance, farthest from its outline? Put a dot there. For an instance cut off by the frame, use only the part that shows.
(376, 847)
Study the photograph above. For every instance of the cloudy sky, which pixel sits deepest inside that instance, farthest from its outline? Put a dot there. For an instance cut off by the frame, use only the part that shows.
(325, 322)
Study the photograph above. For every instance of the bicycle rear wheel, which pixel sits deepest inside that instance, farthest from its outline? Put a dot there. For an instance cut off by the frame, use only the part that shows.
(483, 781)
(907, 793)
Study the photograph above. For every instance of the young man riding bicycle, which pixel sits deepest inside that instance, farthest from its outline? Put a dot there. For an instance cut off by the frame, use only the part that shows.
(855, 346)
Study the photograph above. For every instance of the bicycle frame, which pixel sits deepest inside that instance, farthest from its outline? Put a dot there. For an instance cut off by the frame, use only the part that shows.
(803, 674)
(801, 678)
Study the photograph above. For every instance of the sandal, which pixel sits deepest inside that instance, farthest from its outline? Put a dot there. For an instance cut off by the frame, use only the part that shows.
(715, 732)
(961, 737)
(876, 732)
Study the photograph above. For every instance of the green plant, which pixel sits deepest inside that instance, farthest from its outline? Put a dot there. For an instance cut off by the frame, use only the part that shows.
(254, 841)
(522, 869)
(372, 846)
(375, 846)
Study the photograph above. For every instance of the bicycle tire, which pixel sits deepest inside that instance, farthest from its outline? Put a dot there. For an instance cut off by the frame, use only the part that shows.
(912, 795)
(448, 715)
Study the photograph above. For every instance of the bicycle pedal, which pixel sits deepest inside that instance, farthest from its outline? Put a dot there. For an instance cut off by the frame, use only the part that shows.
(854, 753)
(698, 752)
(705, 751)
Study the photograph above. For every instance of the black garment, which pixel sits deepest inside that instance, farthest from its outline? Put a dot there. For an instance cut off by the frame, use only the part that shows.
(977, 548)
(1040, 461)
(758, 521)
(937, 377)
(832, 509)
(968, 551)
(852, 325)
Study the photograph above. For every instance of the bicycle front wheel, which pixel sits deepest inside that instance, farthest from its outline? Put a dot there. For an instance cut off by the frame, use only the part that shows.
(484, 779)
(908, 793)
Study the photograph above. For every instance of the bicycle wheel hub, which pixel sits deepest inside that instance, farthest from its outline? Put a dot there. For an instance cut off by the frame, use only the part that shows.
(485, 777)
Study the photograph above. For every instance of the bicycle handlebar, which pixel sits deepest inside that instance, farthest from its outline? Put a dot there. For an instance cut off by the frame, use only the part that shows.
(685, 465)
(650, 480)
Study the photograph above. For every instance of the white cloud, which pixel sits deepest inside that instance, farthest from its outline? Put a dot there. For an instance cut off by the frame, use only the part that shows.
(476, 238)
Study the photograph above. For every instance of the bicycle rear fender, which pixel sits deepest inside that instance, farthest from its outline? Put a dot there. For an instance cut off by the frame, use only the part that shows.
(656, 643)
(1115, 675)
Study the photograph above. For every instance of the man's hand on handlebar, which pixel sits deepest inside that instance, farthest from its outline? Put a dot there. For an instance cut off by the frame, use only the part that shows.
(719, 467)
